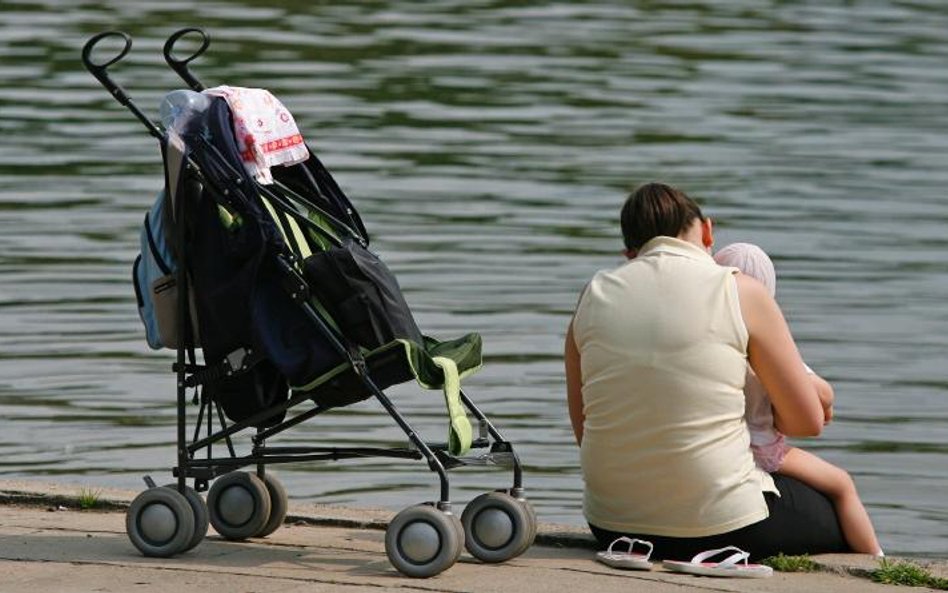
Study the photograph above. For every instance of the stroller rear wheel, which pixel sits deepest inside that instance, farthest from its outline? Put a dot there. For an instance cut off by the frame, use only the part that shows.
(278, 505)
(459, 529)
(201, 519)
(497, 527)
(160, 522)
(531, 524)
(422, 541)
(239, 505)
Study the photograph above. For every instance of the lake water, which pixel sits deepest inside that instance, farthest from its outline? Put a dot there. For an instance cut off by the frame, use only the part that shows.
(488, 145)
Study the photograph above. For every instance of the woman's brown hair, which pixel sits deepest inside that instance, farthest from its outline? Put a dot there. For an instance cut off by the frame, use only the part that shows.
(656, 209)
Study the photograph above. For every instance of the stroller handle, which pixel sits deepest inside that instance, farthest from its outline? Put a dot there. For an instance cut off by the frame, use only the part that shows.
(100, 72)
(180, 66)
(90, 45)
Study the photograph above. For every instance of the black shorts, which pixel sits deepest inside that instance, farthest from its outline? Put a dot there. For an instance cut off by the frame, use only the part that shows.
(801, 521)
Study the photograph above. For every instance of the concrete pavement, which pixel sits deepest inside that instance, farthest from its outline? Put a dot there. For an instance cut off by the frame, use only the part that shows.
(48, 545)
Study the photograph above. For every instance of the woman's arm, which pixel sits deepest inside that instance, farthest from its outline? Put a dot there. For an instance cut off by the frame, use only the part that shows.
(574, 385)
(775, 359)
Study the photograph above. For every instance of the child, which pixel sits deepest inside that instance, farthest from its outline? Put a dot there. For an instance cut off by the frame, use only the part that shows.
(771, 452)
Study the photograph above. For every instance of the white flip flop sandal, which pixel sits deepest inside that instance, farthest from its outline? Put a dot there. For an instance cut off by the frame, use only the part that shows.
(628, 559)
(735, 565)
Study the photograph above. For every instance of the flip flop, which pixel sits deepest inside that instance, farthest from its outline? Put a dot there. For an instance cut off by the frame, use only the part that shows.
(627, 560)
(735, 565)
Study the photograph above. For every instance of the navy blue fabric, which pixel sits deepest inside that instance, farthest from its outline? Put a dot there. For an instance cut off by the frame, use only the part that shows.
(224, 262)
(289, 338)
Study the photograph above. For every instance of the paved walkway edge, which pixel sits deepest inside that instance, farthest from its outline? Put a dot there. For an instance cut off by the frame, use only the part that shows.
(54, 495)
(51, 495)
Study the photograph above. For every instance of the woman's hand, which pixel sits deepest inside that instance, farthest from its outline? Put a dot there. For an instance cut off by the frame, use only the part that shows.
(827, 414)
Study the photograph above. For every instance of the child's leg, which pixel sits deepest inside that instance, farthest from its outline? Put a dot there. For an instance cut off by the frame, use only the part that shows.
(836, 484)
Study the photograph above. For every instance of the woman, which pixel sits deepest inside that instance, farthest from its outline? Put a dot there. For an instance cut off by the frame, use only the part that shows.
(656, 355)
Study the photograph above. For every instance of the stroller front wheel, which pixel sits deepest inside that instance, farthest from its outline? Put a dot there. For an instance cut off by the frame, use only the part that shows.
(497, 527)
(239, 505)
(160, 522)
(531, 524)
(459, 529)
(422, 541)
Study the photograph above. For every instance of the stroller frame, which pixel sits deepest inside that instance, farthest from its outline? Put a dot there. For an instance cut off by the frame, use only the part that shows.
(189, 374)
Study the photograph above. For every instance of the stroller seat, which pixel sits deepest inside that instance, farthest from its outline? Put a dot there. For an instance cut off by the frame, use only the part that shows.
(293, 309)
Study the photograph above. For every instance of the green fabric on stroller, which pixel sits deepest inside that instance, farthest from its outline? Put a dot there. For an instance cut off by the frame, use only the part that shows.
(433, 364)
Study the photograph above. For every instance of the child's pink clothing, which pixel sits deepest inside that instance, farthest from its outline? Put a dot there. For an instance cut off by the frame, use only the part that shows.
(768, 445)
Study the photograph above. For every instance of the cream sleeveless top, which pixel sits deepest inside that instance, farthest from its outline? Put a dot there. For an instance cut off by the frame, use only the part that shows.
(666, 450)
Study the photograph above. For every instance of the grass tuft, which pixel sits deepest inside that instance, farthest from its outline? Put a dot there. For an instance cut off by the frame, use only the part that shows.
(88, 498)
(782, 563)
(908, 574)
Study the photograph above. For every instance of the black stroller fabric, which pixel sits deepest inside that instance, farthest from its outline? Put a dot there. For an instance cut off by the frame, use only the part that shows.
(242, 396)
(312, 182)
(361, 295)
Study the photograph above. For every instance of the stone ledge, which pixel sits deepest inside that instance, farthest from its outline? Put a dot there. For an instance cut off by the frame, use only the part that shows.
(52, 495)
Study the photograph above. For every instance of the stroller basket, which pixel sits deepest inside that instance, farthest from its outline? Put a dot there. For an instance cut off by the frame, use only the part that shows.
(293, 311)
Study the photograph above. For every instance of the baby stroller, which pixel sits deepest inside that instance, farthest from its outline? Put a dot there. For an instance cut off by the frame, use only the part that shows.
(275, 286)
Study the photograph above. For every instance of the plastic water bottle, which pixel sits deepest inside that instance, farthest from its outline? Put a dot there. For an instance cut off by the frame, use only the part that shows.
(178, 107)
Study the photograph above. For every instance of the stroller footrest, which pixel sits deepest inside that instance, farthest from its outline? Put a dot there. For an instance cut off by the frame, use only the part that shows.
(201, 473)
(238, 361)
(479, 443)
(501, 459)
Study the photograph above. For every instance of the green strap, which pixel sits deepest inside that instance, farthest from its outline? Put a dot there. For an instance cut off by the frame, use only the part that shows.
(460, 432)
